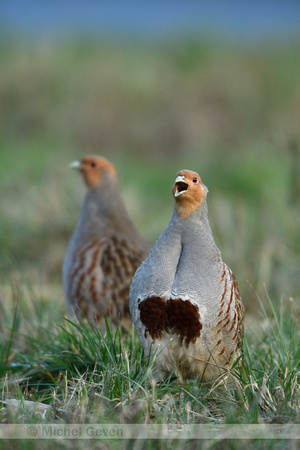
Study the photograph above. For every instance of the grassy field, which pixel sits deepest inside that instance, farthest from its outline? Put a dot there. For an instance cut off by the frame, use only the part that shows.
(230, 113)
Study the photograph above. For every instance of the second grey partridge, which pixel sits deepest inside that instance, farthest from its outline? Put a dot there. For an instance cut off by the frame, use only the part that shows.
(105, 249)
(184, 300)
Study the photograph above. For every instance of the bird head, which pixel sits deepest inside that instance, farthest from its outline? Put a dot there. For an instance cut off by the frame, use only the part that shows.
(188, 192)
(93, 169)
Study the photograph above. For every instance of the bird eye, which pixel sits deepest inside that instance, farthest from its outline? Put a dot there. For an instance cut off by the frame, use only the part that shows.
(93, 164)
(195, 180)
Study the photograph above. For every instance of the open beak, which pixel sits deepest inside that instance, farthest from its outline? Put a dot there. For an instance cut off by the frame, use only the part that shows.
(75, 165)
(180, 185)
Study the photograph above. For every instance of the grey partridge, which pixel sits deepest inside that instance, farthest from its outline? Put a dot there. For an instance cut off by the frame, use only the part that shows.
(184, 300)
(105, 249)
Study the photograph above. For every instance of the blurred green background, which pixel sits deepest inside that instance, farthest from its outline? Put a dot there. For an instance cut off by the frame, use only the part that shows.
(229, 111)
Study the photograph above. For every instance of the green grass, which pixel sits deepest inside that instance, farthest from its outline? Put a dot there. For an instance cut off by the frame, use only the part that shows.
(227, 112)
(83, 376)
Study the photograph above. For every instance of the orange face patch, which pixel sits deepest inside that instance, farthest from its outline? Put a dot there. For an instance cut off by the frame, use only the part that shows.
(92, 168)
(188, 192)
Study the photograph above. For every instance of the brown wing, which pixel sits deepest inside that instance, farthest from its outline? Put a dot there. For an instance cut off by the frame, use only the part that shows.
(239, 309)
(100, 277)
(119, 262)
(230, 325)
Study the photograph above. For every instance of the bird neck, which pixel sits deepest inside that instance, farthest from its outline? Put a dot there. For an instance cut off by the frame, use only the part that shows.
(196, 233)
(104, 211)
